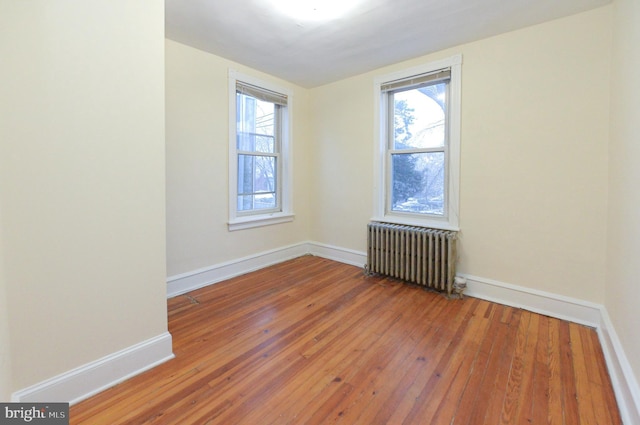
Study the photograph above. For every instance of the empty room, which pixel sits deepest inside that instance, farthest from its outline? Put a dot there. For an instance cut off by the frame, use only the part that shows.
(361, 212)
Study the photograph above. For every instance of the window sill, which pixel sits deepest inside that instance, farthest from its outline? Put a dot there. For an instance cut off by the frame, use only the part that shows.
(259, 221)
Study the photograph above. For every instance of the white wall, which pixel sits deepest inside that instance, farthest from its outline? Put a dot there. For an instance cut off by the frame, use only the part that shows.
(197, 104)
(623, 271)
(82, 171)
(535, 107)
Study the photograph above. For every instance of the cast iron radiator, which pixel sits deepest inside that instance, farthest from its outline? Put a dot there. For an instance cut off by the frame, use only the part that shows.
(419, 255)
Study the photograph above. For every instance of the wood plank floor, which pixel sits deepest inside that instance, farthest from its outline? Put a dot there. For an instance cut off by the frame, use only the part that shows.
(312, 341)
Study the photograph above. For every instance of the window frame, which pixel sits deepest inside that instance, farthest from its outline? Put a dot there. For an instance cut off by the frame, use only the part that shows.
(382, 153)
(283, 211)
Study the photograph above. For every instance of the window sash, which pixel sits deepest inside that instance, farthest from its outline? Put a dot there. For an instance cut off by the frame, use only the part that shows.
(279, 101)
(284, 213)
(388, 90)
(390, 108)
(429, 206)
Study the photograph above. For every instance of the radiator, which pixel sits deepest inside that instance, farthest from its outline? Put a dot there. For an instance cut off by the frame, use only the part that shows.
(418, 255)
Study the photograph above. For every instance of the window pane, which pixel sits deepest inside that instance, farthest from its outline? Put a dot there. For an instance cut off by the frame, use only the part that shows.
(255, 124)
(250, 142)
(417, 184)
(256, 182)
(256, 202)
(419, 117)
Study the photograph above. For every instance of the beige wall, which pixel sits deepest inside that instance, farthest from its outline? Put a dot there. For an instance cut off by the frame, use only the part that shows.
(197, 104)
(82, 171)
(535, 107)
(342, 152)
(623, 272)
(5, 340)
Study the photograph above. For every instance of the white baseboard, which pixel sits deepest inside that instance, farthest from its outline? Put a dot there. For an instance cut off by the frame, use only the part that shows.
(83, 382)
(342, 255)
(186, 282)
(547, 303)
(196, 279)
(623, 380)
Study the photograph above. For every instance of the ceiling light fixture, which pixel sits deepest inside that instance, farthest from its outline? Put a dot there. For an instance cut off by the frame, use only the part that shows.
(314, 10)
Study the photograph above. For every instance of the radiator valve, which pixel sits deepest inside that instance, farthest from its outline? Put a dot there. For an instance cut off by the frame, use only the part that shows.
(459, 285)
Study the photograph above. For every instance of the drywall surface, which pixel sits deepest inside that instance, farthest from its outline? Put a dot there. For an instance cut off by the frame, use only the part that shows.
(197, 110)
(534, 134)
(623, 271)
(82, 171)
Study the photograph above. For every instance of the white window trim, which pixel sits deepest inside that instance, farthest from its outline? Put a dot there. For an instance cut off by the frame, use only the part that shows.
(239, 222)
(381, 168)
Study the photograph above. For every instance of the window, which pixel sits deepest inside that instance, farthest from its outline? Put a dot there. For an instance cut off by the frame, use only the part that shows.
(417, 154)
(259, 153)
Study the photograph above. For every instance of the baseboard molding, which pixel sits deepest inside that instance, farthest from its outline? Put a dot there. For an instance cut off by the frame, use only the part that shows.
(83, 382)
(186, 282)
(623, 380)
(196, 279)
(547, 303)
(342, 255)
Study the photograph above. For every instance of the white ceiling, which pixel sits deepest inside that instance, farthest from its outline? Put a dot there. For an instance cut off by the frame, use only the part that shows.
(373, 34)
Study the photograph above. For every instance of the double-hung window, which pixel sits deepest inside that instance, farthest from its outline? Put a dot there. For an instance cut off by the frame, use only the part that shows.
(419, 142)
(259, 153)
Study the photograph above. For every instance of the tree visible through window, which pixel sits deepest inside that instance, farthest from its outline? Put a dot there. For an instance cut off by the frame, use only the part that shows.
(418, 149)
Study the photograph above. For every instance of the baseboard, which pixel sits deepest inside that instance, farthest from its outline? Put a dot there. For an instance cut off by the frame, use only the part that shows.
(186, 282)
(196, 279)
(537, 301)
(83, 382)
(342, 255)
(549, 304)
(623, 380)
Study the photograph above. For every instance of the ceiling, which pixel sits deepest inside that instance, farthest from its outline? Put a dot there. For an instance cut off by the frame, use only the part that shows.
(374, 33)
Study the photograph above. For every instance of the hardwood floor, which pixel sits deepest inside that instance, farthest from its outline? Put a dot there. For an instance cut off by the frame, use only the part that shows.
(312, 341)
